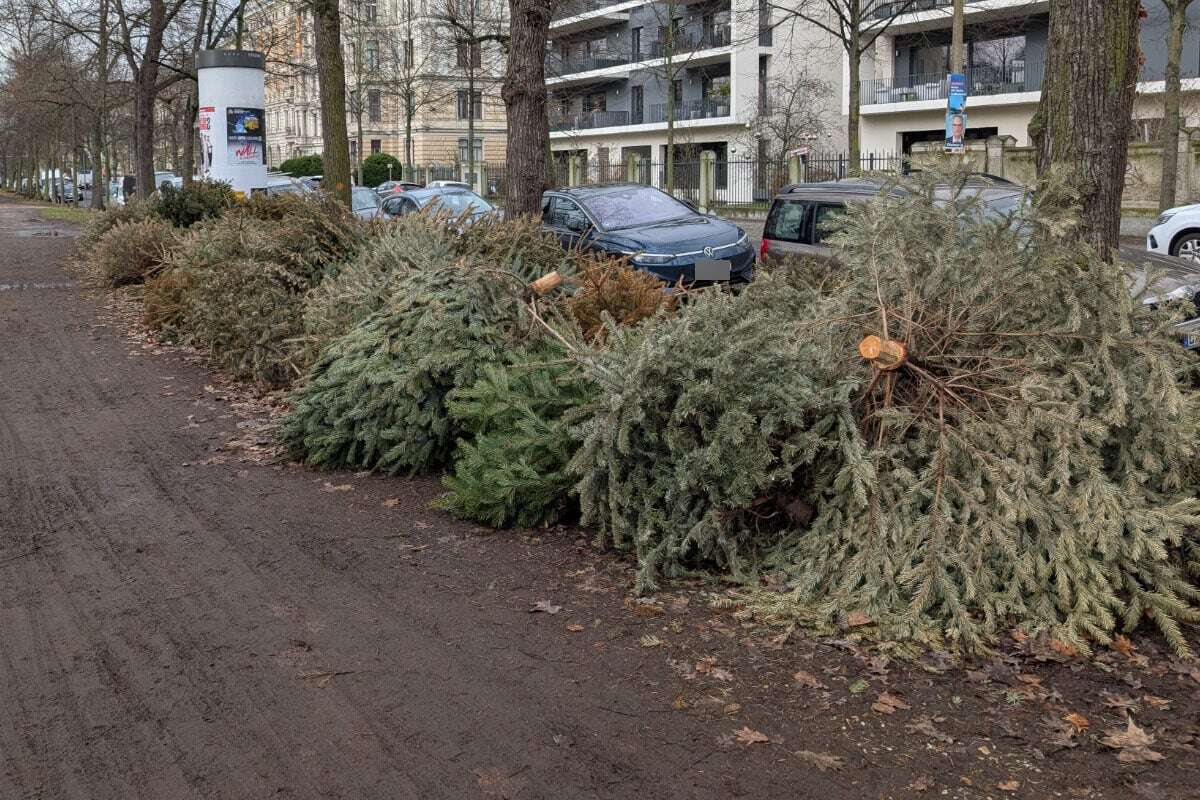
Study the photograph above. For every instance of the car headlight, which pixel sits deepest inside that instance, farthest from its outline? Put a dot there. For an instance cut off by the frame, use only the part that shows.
(1162, 219)
(742, 240)
(653, 259)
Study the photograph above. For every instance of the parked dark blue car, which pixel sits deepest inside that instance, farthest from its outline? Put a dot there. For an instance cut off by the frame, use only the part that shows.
(657, 232)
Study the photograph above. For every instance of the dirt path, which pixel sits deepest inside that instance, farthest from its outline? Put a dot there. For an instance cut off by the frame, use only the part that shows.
(176, 622)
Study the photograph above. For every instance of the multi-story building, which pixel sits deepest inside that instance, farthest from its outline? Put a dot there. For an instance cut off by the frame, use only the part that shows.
(903, 91)
(416, 73)
(618, 71)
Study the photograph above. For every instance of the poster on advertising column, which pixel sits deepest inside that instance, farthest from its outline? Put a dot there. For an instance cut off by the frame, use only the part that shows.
(206, 145)
(245, 135)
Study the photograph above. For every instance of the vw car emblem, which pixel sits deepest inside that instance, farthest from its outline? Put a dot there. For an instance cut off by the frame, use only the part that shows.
(708, 251)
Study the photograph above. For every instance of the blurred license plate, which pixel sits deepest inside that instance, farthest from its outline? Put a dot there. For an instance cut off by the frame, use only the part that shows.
(708, 269)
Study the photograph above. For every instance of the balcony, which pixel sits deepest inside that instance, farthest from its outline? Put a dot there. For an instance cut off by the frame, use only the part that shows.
(683, 45)
(981, 82)
(712, 108)
(588, 120)
(575, 8)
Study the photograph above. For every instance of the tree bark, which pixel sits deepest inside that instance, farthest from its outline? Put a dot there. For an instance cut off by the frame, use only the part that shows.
(1081, 126)
(524, 94)
(145, 94)
(1170, 124)
(99, 185)
(189, 135)
(331, 75)
(854, 56)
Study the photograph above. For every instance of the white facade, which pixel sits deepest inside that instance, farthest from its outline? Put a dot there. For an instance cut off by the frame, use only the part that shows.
(903, 89)
(610, 67)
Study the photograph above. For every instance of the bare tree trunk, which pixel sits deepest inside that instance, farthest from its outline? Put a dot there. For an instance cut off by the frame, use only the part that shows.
(524, 95)
(358, 150)
(189, 135)
(471, 112)
(99, 185)
(854, 56)
(1082, 121)
(408, 141)
(1170, 124)
(331, 74)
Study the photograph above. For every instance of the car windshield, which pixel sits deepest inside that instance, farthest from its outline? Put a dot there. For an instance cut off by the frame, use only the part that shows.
(634, 205)
(364, 198)
(458, 202)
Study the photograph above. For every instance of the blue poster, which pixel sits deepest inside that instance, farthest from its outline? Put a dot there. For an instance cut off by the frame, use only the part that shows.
(956, 96)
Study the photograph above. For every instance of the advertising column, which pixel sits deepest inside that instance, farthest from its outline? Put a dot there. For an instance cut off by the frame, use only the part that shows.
(233, 141)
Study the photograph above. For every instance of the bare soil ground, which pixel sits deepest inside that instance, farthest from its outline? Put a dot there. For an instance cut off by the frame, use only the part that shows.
(183, 617)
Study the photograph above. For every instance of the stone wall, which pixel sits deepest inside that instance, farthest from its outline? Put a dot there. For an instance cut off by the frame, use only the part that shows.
(1000, 156)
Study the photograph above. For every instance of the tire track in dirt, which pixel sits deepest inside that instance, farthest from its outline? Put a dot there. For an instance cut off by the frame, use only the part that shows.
(116, 725)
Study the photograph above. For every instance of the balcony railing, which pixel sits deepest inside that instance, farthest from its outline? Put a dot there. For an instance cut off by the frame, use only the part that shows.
(574, 8)
(693, 109)
(981, 81)
(892, 9)
(588, 120)
(713, 108)
(684, 44)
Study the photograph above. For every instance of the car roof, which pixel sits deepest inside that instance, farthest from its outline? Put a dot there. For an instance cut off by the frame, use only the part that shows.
(989, 186)
(597, 189)
(436, 191)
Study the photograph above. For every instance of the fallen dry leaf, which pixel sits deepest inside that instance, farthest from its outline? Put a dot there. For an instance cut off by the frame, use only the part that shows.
(822, 761)
(1078, 721)
(719, 674)
(922, 784)
(808, 679)
(651, 641)
(926, 726)
(1132, 743)
(342, 487)
(1157, 702)
(749, 736)
(644, 607)
(391, 502)
(888, 703)
(575, 627)
(1119, 702)
(857, 618)
(544, 607)
(1123, 646)
(1008, 786)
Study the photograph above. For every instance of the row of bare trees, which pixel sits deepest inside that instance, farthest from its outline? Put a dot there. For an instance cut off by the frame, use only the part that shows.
(85, 83)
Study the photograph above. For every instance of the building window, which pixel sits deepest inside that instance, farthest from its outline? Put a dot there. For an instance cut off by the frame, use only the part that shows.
(370, 10)
(476, 108)
(372, 51)
(376, 146)
(635, 43)
(677, 91)
(469, 54)
(597, 101)
(408, 53)
(374, 105)
(462, 150)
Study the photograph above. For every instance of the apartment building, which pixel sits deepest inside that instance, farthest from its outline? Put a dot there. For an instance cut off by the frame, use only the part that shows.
(422, 79)
(903, 89)
(618, 71)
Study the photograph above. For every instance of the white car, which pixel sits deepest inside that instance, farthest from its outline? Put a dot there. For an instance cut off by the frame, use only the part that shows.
(1176, 232)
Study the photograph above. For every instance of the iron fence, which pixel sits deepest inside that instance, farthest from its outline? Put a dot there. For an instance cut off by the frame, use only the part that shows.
(738, 185)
